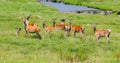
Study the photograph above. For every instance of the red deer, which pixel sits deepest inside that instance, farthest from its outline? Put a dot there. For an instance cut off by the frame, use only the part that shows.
(101, 33)
(76, 28)
(49, 28)
(31, 27)
(54, 26)
(64, 27)
(61, 26)
(68, 28)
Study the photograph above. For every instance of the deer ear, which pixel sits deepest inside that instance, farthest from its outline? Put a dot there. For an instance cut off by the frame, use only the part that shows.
(28, 17)
(44, 22)
(21, 19)
(70, 20)
(94, 25)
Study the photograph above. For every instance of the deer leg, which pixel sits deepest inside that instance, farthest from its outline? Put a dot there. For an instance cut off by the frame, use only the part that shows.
(108, 38)
(81, 33)
(26, 33)
(66, 34)
(74, 33)
(39, 35)
(49, 34)
(98, 37)
(45, 32)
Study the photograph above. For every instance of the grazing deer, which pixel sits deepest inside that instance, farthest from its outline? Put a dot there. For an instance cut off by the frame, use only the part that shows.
(31, 27)
(101, 33)
(76, 29)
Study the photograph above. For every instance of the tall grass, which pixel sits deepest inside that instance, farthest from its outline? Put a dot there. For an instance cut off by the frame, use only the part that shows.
(54, 49)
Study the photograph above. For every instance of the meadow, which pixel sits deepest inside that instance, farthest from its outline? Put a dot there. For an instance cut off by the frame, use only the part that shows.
(99, 4)
(54, 47)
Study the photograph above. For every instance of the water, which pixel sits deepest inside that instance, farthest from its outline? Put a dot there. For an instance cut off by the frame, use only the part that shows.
(68, 8)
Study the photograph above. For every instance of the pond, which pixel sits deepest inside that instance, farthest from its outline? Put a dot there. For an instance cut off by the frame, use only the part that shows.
(68, 8)
(72, 8)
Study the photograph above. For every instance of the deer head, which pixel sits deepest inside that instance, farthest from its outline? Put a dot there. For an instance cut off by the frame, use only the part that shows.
(63, 21)
(44, 24)
(26, 19)
(94, 27)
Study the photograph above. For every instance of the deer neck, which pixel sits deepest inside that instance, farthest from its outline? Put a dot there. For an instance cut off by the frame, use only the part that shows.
(70, 25)
(83, 30)
(43, 25)
(62, 23)
(53, 24)
(26, 23)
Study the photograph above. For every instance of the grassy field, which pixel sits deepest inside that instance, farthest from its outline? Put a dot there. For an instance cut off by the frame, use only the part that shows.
(57, 49)
(100, 4)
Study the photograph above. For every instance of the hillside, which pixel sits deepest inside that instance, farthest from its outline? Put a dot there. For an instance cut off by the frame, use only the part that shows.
(54, 47)
(100, 4)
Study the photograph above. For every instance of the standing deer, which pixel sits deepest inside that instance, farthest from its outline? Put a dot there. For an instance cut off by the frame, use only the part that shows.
(102, 33)
(49, 28)
(76, 29)
(31, 27)
(61, 26)
(68, 28)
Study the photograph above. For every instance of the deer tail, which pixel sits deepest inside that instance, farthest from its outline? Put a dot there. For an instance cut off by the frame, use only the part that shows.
(109, 30)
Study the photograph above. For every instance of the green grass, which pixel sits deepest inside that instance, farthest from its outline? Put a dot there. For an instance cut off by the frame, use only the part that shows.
(100, 4)
(57, 49)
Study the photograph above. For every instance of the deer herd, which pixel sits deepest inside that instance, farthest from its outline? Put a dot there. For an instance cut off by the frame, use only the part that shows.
(67, 28)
